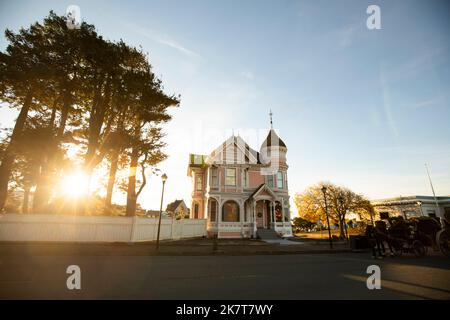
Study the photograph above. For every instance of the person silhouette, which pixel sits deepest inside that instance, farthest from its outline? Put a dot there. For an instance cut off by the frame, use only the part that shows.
(373, 242)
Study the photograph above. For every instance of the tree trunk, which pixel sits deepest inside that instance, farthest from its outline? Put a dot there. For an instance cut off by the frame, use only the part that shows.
(64, 115)
(96, 121)
(42, 193)
(26, 197)
(44, 184)
(111, 180)
(114, 163)
(131, 193)
(52, 117)
(8, 157)
(341, 228)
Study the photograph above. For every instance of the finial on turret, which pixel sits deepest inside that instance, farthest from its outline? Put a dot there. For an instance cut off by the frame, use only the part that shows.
(271, 122)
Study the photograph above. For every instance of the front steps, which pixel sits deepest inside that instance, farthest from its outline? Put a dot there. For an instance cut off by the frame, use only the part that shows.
(267, 234)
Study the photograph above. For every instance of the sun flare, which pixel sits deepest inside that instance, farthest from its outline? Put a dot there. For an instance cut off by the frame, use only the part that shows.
(75, 184)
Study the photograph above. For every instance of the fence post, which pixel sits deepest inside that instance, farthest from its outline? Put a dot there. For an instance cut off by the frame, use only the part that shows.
(133, 229)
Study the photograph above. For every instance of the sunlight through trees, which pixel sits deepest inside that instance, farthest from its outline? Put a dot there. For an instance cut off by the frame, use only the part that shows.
(84, 103)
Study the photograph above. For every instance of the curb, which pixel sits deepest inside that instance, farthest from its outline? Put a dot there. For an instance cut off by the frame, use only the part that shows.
(59, 249)
(256, 253)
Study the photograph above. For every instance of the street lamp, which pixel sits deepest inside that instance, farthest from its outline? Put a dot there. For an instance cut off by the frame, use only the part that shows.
(324, 190)
(163, 178)
(419, 204)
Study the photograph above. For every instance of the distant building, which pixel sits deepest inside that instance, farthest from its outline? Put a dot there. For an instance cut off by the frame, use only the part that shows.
(178, 208)
(155, 214)
(239, 190)
(413, 206)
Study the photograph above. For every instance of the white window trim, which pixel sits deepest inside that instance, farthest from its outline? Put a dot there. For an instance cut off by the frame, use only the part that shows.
(282, 180)
(216, 182)
(268, 183)
(245, 178)
(226, 177)
(199, 179)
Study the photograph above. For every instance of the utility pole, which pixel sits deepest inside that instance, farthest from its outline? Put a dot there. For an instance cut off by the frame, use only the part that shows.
(432, 189)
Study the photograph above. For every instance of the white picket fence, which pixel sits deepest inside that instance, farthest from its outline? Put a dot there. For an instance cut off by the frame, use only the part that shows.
(46, 227)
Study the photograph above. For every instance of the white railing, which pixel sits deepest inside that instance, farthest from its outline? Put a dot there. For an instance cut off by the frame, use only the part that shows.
(48, 227)
(233, 229)
(284, 229)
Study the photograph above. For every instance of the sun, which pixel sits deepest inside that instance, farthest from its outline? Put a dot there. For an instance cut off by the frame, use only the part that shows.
(75, 184)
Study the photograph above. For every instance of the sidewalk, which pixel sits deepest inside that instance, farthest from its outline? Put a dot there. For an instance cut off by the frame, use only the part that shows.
(189, 247)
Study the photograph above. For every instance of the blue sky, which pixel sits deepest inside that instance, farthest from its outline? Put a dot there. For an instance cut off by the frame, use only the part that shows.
(358, 107)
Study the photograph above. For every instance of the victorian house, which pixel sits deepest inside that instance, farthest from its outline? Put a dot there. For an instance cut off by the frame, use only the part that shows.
(242, 192)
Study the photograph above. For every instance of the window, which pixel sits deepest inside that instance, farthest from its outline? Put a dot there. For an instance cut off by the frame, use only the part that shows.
(196, 208)
(245, 172)
(270, 180)
(280, 180)
(278, 212)
(214, 177)
(384, 215)
(199, 186)
(231, 177)
(230, 212)
(411, 214)
(212, 210)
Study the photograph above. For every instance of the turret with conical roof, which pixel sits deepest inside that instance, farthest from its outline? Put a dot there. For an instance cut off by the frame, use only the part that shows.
(273, 140)
(273, 150)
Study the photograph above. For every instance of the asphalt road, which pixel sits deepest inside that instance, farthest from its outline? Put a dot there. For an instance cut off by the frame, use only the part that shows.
(304, 276)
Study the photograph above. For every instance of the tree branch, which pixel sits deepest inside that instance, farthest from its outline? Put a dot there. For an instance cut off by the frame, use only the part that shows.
(144, 179)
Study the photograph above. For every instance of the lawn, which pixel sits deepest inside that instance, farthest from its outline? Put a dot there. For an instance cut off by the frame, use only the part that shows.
(324, 234)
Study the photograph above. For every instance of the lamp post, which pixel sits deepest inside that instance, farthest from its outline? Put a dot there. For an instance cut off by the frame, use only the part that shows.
(163, 178)
(419, 204)
(324, 190)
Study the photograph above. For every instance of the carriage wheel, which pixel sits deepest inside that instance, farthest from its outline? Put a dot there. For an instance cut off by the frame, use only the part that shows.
(443, 240)
(418, 248)
(398, 249)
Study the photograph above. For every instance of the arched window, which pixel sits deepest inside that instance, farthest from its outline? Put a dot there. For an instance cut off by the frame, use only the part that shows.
(212, 210)
(230, 212)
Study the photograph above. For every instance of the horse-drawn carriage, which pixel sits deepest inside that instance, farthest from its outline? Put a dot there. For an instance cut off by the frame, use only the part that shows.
(417, 235)
(403, 236)
(443, 236)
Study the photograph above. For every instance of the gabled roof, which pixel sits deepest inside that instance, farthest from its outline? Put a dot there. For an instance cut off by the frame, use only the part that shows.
(273, 140)
(233, 150)
(261, 188)
(171, 207)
